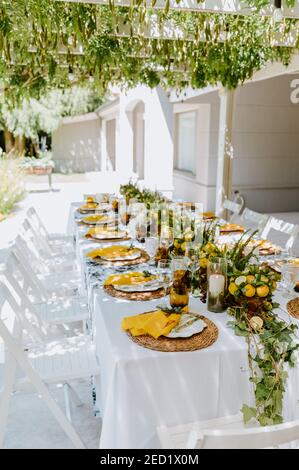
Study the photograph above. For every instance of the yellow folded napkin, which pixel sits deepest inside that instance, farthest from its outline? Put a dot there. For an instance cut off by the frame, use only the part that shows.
(155, 324)
(231, 228)
(114, 251)
(95, 218)
(89, 205)
(90, 199)
(127, 279)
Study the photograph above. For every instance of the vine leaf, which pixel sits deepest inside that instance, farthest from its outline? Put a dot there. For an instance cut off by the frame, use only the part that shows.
(248, 413)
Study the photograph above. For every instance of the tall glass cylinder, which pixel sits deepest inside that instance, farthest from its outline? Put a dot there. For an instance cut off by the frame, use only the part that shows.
(217, 272)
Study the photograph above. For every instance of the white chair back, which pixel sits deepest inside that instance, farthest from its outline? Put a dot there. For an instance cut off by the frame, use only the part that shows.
(280, 232)
(252, 438)
(30, 277)
(31, 254)
(227, 433)
(253, 220)
(33, 235)
(36, 221)
(14, 356)
(234, 208)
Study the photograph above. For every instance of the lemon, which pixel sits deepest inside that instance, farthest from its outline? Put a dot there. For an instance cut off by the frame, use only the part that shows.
(188, 237)
(183, 247)
(250, 279)
(203, 262)
(274, 285)
(262, 291)
(249, 290)
(177, 244)
(240, 280)
(209, 247)
(232, 288)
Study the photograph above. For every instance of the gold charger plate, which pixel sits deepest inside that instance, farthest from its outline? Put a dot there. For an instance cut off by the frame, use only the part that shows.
(201, 340)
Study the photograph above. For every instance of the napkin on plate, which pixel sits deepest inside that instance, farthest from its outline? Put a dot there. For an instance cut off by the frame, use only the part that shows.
(154, 324)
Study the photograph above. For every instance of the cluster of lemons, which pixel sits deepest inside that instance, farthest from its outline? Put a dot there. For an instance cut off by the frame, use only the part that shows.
(209, 250)
(259, 284)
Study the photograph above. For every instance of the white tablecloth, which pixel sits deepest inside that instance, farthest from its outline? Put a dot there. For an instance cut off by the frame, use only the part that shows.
(140, 389)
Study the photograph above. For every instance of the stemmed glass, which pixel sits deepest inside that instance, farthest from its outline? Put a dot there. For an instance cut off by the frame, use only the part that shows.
(192, 253)
(151, 246)
(164, 273)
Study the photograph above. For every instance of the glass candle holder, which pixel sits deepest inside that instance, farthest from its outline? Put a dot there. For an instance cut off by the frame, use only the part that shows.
(179, 296)
(217, 271)
(179, 292)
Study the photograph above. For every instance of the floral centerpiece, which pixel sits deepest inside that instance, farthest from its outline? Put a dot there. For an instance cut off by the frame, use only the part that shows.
(271, 341)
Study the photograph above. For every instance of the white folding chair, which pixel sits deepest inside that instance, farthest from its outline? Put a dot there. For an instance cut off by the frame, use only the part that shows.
(233, 208)
(42, 365)
(55, 243)
(63, 311)
(253, 220)
(60, 284)
(226, 433)
(55, 261)
(280, 232)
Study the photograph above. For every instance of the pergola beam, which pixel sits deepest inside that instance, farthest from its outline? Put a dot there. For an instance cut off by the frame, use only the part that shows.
(235, 7)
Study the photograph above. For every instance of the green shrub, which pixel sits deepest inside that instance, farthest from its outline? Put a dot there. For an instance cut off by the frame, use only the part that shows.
(12, 187)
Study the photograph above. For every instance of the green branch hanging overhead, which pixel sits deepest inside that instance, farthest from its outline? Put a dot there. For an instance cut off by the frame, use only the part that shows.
(50, 43)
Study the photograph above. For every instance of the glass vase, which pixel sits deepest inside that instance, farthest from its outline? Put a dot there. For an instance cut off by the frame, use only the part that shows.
(217, 273)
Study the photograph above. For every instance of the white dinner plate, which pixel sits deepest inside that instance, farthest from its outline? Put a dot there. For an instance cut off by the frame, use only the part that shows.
(128, 257)
(148, 286)
(114, 236)
(189, 325)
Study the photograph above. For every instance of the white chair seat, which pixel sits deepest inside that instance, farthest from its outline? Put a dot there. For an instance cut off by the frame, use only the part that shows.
(60, 262)
(64, 360)
(61, 283)
(63, 310)
(61, 243)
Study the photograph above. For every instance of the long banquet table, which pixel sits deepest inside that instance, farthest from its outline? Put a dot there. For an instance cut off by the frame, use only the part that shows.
(140, 389)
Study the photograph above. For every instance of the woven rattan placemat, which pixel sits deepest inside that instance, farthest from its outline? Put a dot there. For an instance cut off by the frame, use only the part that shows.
(201, 340)
(293, 307)
(151, 295)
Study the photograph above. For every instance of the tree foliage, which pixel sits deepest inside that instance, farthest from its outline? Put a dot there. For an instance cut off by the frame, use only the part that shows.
(42, 41)
(32, 116)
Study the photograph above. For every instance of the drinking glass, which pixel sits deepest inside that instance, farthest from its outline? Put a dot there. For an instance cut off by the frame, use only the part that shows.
(192, 254)
(151, 246)
(164, 273)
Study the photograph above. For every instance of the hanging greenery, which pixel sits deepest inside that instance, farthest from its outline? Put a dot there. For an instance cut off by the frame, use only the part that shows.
(49, 43)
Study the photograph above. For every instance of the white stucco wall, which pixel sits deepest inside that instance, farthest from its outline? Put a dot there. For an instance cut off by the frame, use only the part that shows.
(158, 137)
(76, 144)
(201, 186)
(266, 148)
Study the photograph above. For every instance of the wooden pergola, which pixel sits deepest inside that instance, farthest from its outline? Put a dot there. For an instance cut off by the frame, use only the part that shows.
(227, 97)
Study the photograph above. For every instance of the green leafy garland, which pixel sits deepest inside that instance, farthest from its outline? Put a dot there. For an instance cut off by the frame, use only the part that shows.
(271, 341)
(40, 43)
